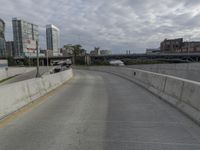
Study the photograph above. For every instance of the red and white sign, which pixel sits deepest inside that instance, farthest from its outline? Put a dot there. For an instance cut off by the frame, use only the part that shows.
(31, 45)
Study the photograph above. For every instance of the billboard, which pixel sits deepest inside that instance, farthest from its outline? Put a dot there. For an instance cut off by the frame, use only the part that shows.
(31, 45)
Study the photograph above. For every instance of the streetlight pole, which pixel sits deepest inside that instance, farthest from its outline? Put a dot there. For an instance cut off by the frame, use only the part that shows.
(47, 59)
(38, 71)
(29, 59)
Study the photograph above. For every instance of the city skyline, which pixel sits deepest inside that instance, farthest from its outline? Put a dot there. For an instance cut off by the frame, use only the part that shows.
(115, 25)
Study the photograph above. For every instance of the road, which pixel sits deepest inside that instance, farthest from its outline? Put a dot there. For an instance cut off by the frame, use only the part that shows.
(100, 111)
(25, 76)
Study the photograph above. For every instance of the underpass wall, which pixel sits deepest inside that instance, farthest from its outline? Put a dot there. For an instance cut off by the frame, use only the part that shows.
(16, 95)
(12, 71)
(182, 93)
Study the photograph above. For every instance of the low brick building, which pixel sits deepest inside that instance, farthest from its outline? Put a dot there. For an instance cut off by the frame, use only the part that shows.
(179, 46)
(171, 45)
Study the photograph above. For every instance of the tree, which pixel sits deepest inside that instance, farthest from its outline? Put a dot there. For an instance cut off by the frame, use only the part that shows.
(78, 53)
(78, 50)
(11, 61)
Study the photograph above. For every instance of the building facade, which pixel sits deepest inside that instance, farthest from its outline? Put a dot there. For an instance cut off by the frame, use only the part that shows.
(25, 36)
(95, 52)
(53, 39)
(191, 47)
(2, 38)
(10, 48)
(179, 46)
(171, 45)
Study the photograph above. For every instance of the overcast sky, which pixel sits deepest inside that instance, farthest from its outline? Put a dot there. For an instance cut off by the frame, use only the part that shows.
(118, 25)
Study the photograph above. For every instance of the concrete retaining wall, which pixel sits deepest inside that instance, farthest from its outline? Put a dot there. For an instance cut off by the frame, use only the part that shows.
(16, 95)
(182, 93)
(190, 71)
(12, 71)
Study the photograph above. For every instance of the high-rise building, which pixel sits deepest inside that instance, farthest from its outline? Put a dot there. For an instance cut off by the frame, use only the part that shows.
(2, 38)
(53, 39)
(10, 49)
(25, 35)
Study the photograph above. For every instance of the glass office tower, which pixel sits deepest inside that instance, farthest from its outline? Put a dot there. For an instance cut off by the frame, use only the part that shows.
(53, 39)
(2, 38)
(25, 35)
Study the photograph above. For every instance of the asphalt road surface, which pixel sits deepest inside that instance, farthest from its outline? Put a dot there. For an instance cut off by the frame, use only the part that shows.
(100, 111)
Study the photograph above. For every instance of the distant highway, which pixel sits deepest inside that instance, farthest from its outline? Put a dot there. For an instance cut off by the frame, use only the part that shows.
(100, 111)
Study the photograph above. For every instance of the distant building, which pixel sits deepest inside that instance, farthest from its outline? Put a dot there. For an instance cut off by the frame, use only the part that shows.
(105, 52)
(2, 38)
(10, 49)
(95, 52)
(47, 53)
(179, 46)
(171, 45)
(191, 47)
(152, 51)
(25, 35)
(67, 50)
(128, 52)
(53, 39)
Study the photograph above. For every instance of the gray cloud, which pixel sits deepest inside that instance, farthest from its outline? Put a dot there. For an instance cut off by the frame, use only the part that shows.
(115, 24)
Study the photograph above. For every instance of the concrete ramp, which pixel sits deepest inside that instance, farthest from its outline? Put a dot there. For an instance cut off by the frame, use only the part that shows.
(182, 93)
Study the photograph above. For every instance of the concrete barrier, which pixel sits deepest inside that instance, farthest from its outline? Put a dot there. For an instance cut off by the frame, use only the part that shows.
(12, 71)
(16, 95)
(182, 93)
(188, 71)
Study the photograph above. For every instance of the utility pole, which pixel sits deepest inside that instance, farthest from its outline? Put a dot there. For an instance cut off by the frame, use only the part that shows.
(38, 71)
(47, 58)
(29, 59)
